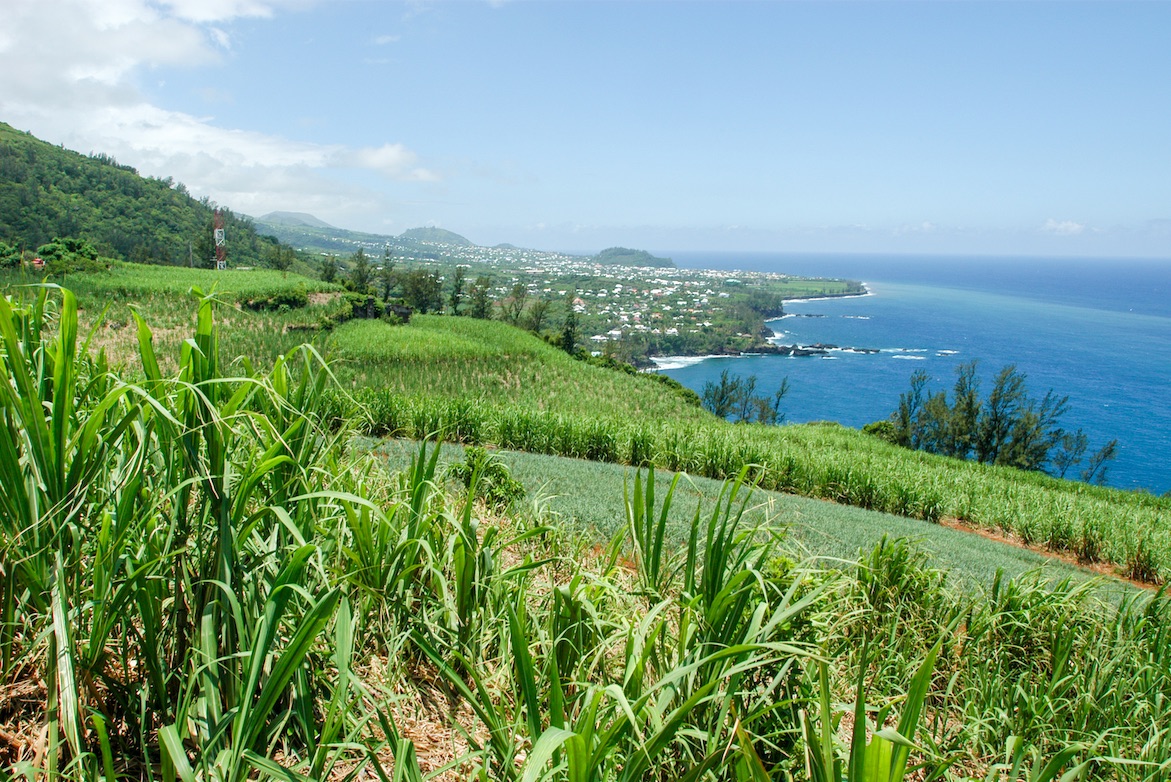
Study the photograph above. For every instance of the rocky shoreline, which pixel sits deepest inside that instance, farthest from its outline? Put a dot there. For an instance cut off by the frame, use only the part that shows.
(658, 363)
(816, 349)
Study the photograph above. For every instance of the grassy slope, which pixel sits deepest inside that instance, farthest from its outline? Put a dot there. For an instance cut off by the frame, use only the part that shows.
(164, 296)
(836, 533)
(450, 358)
(438, 359)
(494, 366)
(1005, 646)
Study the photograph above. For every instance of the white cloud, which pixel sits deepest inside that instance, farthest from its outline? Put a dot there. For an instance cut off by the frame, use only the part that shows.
(220, 10)
(82, 92)
(391, 160)
(382, 40)
(1062, 227)
(220, 37)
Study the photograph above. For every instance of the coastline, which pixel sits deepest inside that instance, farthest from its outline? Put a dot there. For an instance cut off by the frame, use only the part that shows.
(662, 363)
(832, 298)
(666, 363)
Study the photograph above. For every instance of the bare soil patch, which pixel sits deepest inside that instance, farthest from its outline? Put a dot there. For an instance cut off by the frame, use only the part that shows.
(1001, 536)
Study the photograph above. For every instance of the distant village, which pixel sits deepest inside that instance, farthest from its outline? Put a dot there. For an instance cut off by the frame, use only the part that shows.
(615, 302)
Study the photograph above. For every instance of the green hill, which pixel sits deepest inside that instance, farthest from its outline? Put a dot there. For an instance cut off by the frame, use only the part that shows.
(622, 256)
(324, 238)
(446, 359)
(293, 218)
(48, 192)
(310, 233)
(437, 235)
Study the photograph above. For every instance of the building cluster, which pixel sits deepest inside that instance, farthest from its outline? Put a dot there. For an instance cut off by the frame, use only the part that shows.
(614, 302)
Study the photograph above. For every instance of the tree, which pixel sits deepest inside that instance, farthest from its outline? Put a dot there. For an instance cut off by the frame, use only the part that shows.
(386, 277)
(745, 404)
(328, 269)
(1073, 448)
(422, 290)
(934, 425)
(736, 397)
(69, 255)
(480, 295)
(537, 315)
(1098, 465)
(280, 257)
(513, 307)
(458, 280)
(204, 244)
(965, 412)
(1009, 428)
(999, 416)
(360, 272)
(387, 281)
(568, 339)
(768, 409)
(9, 256)
(722, 396)
(906, 418)
(1035, 432)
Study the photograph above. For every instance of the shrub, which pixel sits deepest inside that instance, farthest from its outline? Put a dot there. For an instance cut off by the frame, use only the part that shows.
(883, 430)
(69, 255)
(280, 299)
(488, 477)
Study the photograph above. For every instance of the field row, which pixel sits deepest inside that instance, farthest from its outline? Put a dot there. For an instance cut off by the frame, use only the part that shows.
(1129, 531)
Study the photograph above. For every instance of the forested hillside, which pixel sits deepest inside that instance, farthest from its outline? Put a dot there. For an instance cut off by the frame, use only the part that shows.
(48, 192)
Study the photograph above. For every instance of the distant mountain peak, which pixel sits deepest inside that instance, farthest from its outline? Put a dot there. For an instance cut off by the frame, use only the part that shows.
(294, 218)
(624, 256)
(437, 235)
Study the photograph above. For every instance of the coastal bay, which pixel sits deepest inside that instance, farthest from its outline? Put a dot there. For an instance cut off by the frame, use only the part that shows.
(1094, 331)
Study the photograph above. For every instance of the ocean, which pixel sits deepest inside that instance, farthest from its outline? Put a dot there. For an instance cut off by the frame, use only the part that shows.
(1097, 331)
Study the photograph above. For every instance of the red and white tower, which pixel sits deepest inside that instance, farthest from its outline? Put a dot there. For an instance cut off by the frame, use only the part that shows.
(221, 249)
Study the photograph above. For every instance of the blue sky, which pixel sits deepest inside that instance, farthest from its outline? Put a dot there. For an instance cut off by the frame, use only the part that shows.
(947, 127)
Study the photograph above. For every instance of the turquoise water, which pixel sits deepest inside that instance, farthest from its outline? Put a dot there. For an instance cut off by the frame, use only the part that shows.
(1097, 331)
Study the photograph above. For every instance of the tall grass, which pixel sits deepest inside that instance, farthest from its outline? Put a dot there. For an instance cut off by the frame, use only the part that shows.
(211, 586)
(163, 566)
(1128, 530)
(485, 382)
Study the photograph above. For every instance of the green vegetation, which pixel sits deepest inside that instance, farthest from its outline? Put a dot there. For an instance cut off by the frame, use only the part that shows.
(622, 256)
(212, 585)
(477, 363)
(293, 218)
(80, 212)
(1009, 427)
(488, 478)
(437, 235)
(207, 574)
(48, 193)
(736, 398)
(818, 528)
(484, 382)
